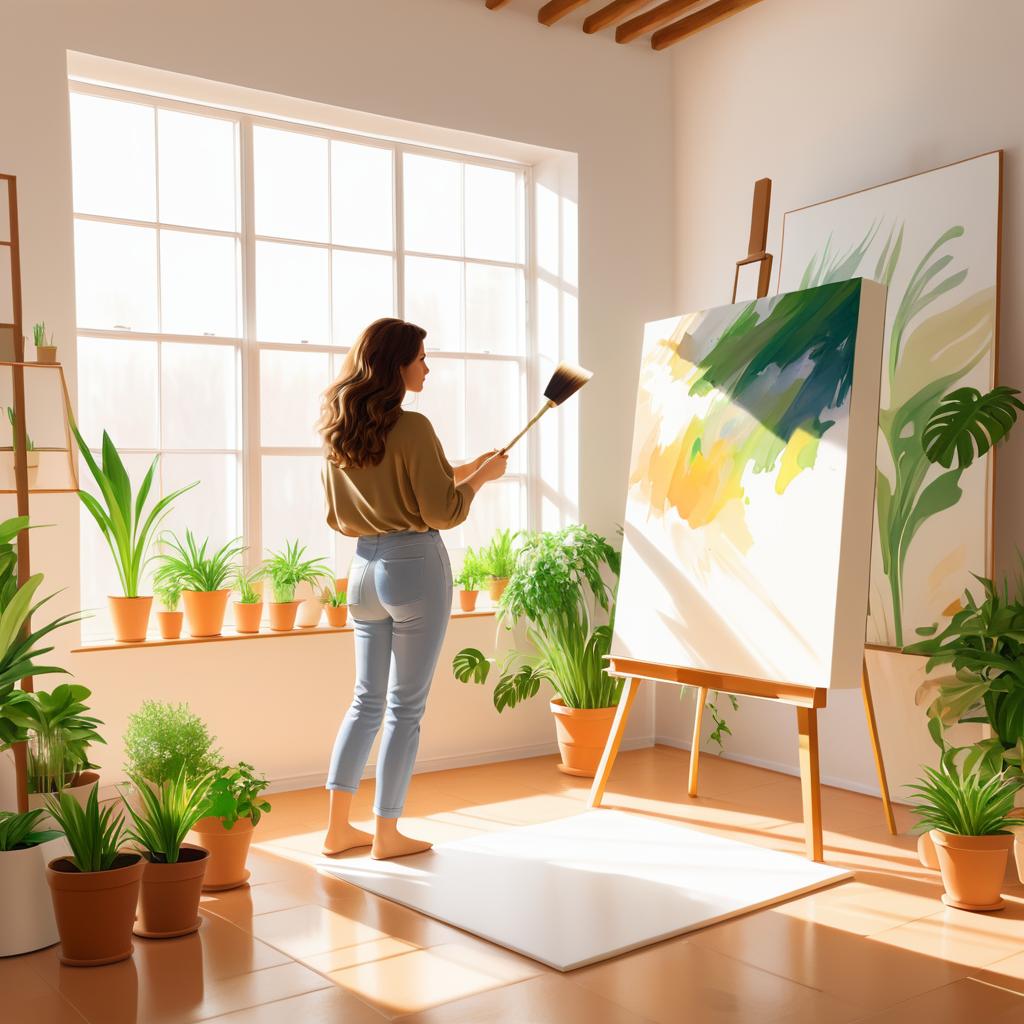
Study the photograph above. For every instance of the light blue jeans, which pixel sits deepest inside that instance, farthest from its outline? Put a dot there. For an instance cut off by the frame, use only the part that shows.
(400, 600)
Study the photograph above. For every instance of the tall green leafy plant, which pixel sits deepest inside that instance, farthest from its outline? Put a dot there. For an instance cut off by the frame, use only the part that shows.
(187, 565)
(287, 569)
(168, 812)
(498, 558)
(473, 574)
(557, 585)
(94, 835)
(963, 803)
(127, 522)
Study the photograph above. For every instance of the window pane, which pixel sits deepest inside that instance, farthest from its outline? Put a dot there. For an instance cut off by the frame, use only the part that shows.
(117, 391)
(290, 388)
(433, 205)
(292, 293)
(291, 184)
(293, 504)
(113, 158)
(200, 400)
(443, 401)
(495, 409)
(198, 171)
(200, 284)
(433, 299)
(362, 202)
(548, 223)
(494, 309)
(211, 510)
(490, 213)
(364, 291)
(500, 505)
(115, 276)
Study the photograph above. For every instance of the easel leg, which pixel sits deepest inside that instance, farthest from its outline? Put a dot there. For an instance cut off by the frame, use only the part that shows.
(702, 696)
(876, 746)
(810, 782)
(611, 750)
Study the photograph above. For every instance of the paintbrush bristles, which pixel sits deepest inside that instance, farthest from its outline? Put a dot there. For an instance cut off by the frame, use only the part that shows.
(567, 379)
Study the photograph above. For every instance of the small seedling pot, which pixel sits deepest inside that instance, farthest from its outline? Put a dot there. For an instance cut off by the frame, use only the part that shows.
(248, 617)
(170, 624)
(467, 599)
(336, 616)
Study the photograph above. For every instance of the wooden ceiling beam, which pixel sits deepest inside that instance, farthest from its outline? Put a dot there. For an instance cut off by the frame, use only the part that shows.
(555, 10)
(493, 5)
(611, 13)
(712, 15)
(650, 20)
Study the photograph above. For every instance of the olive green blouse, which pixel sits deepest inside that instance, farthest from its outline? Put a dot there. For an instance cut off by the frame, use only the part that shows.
(412, 488)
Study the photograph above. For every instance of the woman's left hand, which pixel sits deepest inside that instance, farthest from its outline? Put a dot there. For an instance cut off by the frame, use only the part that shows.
(481, 459)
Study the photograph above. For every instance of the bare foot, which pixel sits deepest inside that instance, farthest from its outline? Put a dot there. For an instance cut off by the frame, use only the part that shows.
(394, 844)
(345, 837)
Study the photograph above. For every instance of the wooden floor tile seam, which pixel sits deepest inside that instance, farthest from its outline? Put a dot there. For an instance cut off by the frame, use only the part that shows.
(958, 934)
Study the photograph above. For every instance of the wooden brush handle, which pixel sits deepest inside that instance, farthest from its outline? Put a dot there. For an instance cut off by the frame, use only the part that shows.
(543, 409)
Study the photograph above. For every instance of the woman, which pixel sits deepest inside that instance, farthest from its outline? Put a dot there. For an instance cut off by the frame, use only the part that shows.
(388, 483)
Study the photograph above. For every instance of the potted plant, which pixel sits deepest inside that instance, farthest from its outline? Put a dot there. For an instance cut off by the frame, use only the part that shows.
(163, 739)
(233, 810)
(968, 817)
(169, 618)
(286, 570)
(336, 606)
(498, 561)
(202, 578)
(173, 877)
(46, 351)
(128, 528)
(26, 846)
(470, 579)
(248, 608)
(31, 455)
(95, 890)
(556, 590)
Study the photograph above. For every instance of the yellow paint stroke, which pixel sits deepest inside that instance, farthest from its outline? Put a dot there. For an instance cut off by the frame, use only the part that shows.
(799, 454)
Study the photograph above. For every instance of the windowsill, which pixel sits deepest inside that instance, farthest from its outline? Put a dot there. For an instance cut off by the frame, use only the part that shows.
(229, 634)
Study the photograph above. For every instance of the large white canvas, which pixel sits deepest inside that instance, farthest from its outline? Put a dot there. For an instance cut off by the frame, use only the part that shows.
(945, 222)
(747, 527)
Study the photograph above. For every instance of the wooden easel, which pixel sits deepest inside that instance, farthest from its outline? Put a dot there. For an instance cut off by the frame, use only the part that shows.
(806, 700)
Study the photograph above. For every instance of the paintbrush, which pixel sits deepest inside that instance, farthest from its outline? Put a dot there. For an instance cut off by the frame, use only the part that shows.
(565, 382)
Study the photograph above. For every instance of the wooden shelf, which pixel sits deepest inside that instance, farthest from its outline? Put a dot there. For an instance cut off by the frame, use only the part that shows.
(229, 634)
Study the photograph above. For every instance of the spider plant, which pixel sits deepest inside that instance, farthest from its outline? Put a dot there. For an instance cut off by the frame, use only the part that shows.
(334, 598)
(20, 831)
(556, 588)
(287, 569)
(126, 524)
(168, 593)
(498, 559)
(95, 836)
(189, 567)
(247, 593)
(169, 810)
(963, 803)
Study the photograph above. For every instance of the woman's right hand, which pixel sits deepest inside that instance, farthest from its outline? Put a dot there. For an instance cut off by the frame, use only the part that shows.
(494, 467)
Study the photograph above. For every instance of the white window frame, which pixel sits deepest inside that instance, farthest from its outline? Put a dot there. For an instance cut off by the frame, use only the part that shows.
(248, 347)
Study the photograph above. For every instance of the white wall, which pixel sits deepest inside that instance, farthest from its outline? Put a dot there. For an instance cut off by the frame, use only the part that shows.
(441, 62)
(827, 98)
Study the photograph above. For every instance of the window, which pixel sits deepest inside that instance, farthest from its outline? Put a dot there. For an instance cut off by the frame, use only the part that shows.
(224, 265)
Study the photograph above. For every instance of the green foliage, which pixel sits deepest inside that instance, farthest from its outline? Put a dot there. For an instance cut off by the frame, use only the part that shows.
(162, 740)
(95, 836)
(334, 598)
(39, 334)
(287, 569)
(19, 832)
(498, 559)
(126, 525)
(473, 574)
(983, 644)
(168, 813)
(188, 566)
(235, 793)
(963, 803)
(60, 735)
(247, 593)
(168, 593)
(966, 424)
(29, 446)
(556, 587)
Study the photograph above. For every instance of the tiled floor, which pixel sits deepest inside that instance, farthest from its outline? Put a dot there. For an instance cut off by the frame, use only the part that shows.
(302, 948)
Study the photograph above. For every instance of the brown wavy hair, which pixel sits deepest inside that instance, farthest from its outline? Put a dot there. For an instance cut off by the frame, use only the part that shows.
(359, 409)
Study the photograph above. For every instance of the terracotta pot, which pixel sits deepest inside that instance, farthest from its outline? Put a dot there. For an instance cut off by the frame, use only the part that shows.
(79, 787)
(247, 617)
(46, 353)
(228, 848)
(282, 615)
(972, 869)
(467, 599)
(170, 624)
(336, 616)
(926, 852)
(496, 587)
(169, 898)
(205, 611)
(95, 910)
(582, 735)
(27, 922)
(131, 617)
